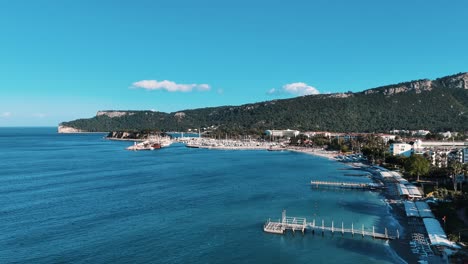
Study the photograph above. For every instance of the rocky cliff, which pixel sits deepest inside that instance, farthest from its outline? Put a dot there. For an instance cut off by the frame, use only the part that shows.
(112, 113)
(457, 81)
(68, 129)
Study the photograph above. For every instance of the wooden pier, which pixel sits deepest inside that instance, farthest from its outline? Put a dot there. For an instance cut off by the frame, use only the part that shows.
(348, 185)
(301, 224)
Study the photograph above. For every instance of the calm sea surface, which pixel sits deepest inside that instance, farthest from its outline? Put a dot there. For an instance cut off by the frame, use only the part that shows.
(82, 199)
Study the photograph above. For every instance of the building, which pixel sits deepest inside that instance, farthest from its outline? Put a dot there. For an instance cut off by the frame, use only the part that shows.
(465, 155)
(448, 134)
(282, 133)
(420, 132)
(387, 138)
(408, 191)
(401, 149)
(438, 158)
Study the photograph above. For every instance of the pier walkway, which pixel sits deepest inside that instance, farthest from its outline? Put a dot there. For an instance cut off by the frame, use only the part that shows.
(301, 224)
(348, 185)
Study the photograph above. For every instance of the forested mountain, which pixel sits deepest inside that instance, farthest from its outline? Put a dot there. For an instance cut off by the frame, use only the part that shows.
(436, 105)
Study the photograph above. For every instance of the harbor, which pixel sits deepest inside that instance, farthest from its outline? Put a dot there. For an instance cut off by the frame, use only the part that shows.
(152, 143)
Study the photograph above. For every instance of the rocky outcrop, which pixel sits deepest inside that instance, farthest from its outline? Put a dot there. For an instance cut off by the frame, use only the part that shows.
(112, 114)
(458, 81)
(339, 95)
(417, 87)
(67, 130)
(414, 86)
(122, 135)
(179, 115)
(136, 136)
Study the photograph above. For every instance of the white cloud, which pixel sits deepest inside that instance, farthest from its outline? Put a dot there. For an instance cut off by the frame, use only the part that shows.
(169, 86)
(6, 114)
(220, 91)
(298, 88)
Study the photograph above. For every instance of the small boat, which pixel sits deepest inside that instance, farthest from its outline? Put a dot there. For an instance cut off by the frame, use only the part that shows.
(275, 148)
(155, 146)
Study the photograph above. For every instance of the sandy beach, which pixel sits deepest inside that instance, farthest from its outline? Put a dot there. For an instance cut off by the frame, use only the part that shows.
(253, 146)
(315, 151)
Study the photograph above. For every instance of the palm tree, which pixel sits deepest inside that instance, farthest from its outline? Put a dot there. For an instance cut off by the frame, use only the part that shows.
(456, 168)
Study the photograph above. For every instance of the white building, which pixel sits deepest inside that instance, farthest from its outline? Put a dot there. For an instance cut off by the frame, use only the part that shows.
(387, 138)
(401, 149)
(448, 134)
(438, 158)
(420, 132)
(282, 133)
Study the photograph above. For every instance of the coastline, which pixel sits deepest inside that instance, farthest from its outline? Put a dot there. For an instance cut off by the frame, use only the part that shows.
(310, 151)
(315, 152)
(399, 248)
(124, 139)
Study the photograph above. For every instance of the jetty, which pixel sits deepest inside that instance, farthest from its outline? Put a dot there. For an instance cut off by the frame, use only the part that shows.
(348, 185)
(301, 224)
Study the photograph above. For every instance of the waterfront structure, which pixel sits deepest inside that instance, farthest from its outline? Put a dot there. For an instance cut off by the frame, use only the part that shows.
(436, 234)
(441, 144)
(403, 149)
(282, 133)
(348, 185)
(301, 224)
(411, 132)
(408, 191)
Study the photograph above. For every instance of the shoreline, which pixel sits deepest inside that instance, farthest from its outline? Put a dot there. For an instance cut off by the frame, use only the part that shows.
(309, 151)
(400, 248)
(124, 139)
(316, 152)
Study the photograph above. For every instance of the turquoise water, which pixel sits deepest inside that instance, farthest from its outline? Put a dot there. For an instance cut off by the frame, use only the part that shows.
(80, 199)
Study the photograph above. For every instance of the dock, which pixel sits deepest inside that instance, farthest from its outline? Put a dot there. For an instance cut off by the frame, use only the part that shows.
(301, 224)
(348, 185)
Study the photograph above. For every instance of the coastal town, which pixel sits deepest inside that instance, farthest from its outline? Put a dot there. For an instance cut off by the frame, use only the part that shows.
(234, 132)
(412, 188)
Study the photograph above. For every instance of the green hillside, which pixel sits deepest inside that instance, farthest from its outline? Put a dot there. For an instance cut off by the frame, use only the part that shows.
(437, 105)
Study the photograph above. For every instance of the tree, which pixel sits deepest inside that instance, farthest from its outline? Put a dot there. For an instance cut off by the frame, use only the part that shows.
(456, 168)
(417, 165)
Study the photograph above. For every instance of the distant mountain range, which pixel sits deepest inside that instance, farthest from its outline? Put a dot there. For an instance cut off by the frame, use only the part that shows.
(436, 105)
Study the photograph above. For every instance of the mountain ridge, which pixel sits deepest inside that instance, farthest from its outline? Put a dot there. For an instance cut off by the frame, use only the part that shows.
(440, 101)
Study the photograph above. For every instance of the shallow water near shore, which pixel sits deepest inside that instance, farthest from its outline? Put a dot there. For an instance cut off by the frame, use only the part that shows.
(80, 198)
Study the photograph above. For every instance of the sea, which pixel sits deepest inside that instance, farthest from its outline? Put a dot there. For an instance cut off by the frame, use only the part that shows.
(79, 198)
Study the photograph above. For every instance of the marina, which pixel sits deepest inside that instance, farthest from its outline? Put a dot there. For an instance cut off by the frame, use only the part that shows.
(152, 143)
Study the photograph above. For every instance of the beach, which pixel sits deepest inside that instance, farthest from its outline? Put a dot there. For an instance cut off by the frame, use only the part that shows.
(315, 152)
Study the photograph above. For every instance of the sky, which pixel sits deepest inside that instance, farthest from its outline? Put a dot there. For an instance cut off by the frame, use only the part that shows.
(62, 60)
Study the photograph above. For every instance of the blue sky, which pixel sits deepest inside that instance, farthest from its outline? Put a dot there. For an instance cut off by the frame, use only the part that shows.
(62, 60)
